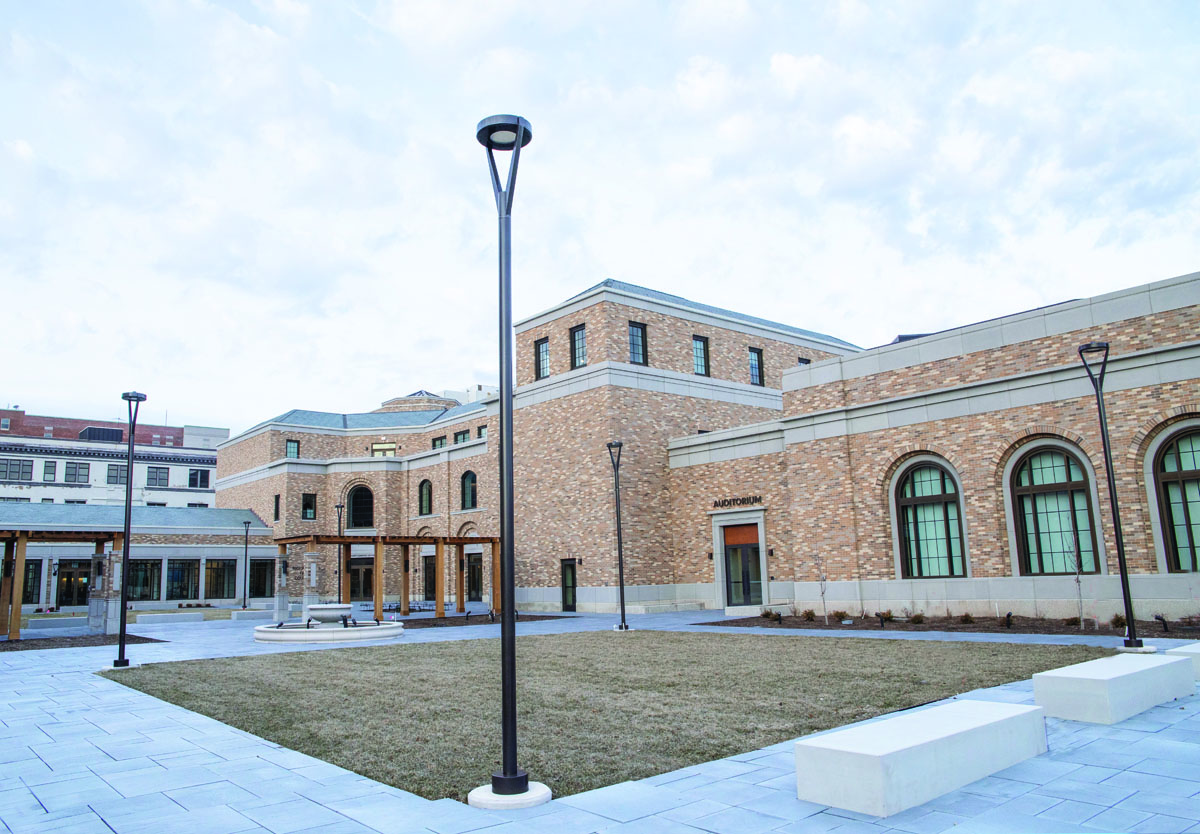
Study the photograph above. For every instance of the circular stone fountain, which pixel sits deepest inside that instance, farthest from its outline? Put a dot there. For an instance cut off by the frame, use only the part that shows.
(327, 623)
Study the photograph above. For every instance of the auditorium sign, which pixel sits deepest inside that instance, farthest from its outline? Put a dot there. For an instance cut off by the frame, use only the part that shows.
(741, 501)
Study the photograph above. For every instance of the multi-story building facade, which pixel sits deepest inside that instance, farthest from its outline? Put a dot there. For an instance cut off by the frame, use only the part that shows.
(56, 460)
(959, 470)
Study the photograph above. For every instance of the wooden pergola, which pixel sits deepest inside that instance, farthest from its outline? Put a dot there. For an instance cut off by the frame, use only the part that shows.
(344, 543)
(13, 583)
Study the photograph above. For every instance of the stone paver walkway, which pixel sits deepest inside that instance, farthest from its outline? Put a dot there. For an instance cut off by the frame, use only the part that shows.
(80, 753)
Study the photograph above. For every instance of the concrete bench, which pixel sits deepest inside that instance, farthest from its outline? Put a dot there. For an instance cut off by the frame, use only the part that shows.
(182, 617)
(58, 622)
(1191, 652)
(1111, 689)
(253, 614)
(887, 766)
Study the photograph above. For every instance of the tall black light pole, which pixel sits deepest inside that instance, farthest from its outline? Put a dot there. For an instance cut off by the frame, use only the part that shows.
(246, 568)
(614, 454)
(506, 133)
(339, 508)
(1093, 355)
(134, 400)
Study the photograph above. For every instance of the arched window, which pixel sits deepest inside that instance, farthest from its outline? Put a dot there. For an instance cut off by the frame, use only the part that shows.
(425, 498)
(1054, 514)
(361, 504)
(1177, 472)
(468, 490)
(931, 543)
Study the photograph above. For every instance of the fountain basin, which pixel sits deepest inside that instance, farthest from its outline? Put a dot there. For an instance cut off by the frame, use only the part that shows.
(326, 632)
(329, 612)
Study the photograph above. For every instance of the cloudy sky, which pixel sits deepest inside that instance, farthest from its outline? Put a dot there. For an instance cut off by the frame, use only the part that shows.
(245, 207)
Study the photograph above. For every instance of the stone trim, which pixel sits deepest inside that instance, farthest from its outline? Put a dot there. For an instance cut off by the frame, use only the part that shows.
(292, 466)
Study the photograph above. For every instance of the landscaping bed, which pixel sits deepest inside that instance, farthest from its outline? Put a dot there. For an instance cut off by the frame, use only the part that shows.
(982, 625)
(473, 620)
(594, 708)
(33, 643)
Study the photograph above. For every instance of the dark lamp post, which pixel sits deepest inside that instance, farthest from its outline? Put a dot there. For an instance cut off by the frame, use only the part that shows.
(339, 508)
(614, 454)
(133, 400)
(246, 568)
(1094, 356)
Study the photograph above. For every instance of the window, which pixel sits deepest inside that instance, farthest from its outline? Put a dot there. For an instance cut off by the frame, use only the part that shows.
(118, 473)
(16, 470)
(292, 449)
(262, 577)
(47, 500)
(700, 355)
(148, 503)
(1054, 514)
(425, 498)
(276, 516)
(308, 507)
(439, 442)
(462, 436)
(1177, 473)
(9, 499)
(145, 579)
(48, 470)
(4, 423)
(183, 579)
(31, 591)
(756, 366)
(637, 343)
(800, 360)
(47, 431)
(361, 507)
(220, 579)
(156, 476)
(198, 478)
(481, 432)
(197, 504)
(929, 524)
(578, 347)
(468, 490)
(156, 440)
(383, 450)
(76, 473)
(541, 359)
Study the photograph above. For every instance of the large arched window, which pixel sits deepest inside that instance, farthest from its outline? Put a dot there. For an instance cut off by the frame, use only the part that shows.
(468, 490)
(931, 542)
(1053, 514)
(1177, 473)
(425, 498)
(361, 504)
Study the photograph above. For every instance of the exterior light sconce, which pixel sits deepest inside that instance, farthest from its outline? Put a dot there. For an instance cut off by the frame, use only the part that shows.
(771, 552)
(710, 557)
(54, 568)
(99, 568)
(283, 566)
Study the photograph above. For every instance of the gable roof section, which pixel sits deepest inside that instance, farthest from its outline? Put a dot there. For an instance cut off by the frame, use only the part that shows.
(366, 420)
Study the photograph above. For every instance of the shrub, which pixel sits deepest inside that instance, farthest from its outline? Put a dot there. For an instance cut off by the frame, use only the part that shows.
(917, 618)
(1118, 621)
(887, 616)
(839, 615)
(1071, 621)
(766, 613)
(809, 615)
(966, 619)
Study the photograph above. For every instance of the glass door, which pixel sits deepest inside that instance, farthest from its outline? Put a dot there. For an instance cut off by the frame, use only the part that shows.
(430, 578)
(474, 577)
(743, 576)
(568, 585)
(73, 579)
(362, 575)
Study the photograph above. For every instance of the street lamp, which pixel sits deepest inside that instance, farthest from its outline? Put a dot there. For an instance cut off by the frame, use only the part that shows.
(510, 786)
(339, 508)
(1093, 355)
(134, 400)
(614, 454)
(246, 567)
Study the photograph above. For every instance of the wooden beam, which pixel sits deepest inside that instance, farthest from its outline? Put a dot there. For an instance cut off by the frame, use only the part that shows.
(404, 579)
(343, 552)
(377, 579)
(497, 600)
(460, 596)
(18, 588)
(6, 584)
(439, 566)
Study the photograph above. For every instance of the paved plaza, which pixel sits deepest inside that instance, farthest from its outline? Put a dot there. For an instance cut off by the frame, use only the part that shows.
(81, 753)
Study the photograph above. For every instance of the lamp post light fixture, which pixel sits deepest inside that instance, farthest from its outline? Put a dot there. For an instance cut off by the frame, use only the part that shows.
(614, 454)
(246, 567)
(510, 786)
(1094, 356)
(339, 508)
(133, 400)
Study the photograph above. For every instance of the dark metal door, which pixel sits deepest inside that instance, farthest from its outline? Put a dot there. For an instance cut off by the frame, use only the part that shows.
(743, 575)
(430, 578)
(475, 577)
(568, 585)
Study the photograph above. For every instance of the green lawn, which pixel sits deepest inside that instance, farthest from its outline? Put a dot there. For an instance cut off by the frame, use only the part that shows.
(595, 708)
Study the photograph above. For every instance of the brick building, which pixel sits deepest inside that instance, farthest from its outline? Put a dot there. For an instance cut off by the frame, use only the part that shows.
(956, 471)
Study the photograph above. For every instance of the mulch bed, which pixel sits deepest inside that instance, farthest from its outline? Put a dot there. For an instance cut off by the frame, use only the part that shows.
(34, 643)
(474, 620)
(985, 625)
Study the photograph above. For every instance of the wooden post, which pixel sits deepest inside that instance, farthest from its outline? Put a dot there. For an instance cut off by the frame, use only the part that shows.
(18, 588)
(439, 567)
(6, 585)
(377, 579)
(343, 551)
(404, 549)
(497, 600)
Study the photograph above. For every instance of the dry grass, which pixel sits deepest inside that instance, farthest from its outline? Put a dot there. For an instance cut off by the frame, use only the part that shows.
(209, 614)
(595, 708)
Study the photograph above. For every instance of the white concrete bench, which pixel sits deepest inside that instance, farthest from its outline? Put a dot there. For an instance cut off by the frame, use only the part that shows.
(253, 614)
(1111, 689)
(58, 622)
(182, 617)
(1192, 652)
(888, 766)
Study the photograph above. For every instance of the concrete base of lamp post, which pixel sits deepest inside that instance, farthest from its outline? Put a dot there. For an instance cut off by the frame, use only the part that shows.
(484, 797)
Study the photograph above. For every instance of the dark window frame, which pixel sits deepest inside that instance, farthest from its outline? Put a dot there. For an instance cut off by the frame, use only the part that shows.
(425, 498)
(308, 506)
(118, 474)
(276, 507)
(360, 516)
(704, 356)
(758, 368)
(158, 476)
(463, 436)
(541, 359)
(1180, 476)
(49, 471)
(469, 484)
(944, 498)
(1017, 493)
(578, 343)
(638, 340)
(439, 442)
(220, 572)
(198, 478)
(291, 449)
(77, 473)
(481, 432)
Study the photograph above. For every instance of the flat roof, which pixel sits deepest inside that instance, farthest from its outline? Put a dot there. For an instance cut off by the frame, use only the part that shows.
(109, 518)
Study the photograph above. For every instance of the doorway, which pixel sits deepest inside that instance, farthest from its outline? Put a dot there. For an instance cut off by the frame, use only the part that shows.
(474, 577)
(743, 571)
(362, 576)
(74, 577)
(430, 576)
(568, 585)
